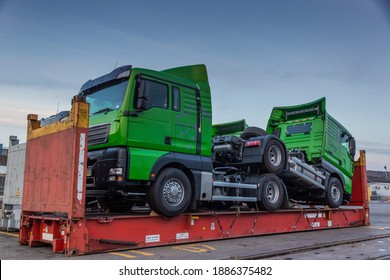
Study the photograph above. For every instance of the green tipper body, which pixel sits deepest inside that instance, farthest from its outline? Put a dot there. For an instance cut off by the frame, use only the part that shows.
(310, 129)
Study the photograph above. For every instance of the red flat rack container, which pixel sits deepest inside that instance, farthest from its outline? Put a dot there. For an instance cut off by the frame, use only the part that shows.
(53, 209)
(54, 180)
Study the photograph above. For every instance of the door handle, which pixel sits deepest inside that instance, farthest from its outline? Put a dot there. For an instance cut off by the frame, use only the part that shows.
(168, 140)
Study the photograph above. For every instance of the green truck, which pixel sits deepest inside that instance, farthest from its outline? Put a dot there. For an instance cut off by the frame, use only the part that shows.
(321, 152)
(151, 141)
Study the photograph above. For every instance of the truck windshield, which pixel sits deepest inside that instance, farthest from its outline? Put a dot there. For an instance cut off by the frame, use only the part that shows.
(107, 98)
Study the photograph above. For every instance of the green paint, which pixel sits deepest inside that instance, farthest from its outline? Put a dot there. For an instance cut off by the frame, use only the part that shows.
(230, 128)
(171, 114)
(142, 161)
(309, 128)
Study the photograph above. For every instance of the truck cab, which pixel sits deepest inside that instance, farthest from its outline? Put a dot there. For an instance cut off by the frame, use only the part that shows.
(319, 148)
(149, 137)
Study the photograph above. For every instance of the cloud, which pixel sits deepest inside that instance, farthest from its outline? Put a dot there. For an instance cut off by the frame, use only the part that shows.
(17, 101)
(375, 147)
(378, 151)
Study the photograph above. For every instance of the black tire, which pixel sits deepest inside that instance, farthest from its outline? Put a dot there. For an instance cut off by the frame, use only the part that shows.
(271, 193)
(170, 195)
(253, 131)
(274, 157)
(334, 193)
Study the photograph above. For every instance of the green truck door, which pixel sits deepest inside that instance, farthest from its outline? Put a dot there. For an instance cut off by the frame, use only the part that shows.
(184, 107)
(152, 128)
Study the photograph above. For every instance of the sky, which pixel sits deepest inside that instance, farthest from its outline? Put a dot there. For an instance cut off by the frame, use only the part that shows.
(259, 54)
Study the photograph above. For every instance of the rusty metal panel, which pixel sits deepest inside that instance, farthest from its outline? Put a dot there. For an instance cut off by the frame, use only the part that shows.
(54, 171)
(360, 187)
(359, 181)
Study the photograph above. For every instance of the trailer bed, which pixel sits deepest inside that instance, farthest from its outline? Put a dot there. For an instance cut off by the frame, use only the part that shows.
(356, 243)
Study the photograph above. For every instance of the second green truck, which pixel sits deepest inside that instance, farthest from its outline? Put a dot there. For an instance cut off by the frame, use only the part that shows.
(151, 141)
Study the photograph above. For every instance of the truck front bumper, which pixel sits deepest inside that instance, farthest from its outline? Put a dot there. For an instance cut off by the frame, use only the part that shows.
(106, 169)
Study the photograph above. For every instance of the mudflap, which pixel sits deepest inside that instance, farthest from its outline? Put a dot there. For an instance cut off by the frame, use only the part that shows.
(286, 200)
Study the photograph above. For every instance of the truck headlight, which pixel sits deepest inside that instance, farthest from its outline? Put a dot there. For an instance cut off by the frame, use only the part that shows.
(115, 178)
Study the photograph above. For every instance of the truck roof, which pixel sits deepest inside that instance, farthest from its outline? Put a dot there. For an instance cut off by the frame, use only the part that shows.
(114, 74)
(312, 109)
(196, 73)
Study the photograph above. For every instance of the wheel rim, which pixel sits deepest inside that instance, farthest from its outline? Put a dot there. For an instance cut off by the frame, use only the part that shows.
(272, 192)
(173, 192)
(335, 193)
(275, 155)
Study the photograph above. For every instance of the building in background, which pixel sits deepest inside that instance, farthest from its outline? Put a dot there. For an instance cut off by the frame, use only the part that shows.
(379, 182)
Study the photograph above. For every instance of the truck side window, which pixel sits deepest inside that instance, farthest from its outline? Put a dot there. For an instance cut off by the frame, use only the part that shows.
(156, 95)
(175, 99)
(345, 140)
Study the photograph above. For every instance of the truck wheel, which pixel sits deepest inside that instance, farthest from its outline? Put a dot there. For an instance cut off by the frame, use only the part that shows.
(253, 131)
(334, 193)
(274, 157)
(170, 195)
(271, 193)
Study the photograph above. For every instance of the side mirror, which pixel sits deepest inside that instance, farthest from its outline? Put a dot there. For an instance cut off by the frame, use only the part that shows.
(141, 98)
(352, 147)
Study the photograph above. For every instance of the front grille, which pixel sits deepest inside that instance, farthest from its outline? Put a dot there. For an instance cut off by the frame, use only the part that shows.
(98, 134)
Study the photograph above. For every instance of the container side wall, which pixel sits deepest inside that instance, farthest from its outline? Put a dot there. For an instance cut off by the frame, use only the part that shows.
(55, 170)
